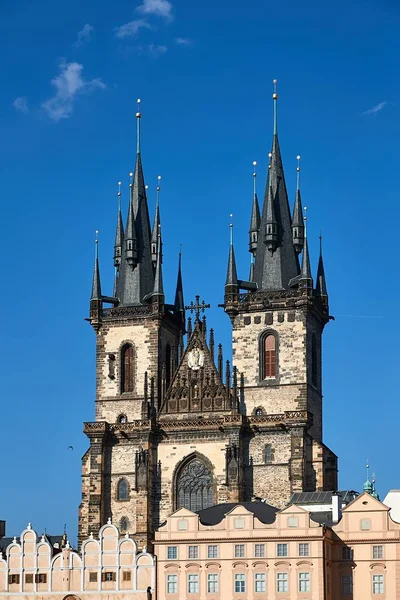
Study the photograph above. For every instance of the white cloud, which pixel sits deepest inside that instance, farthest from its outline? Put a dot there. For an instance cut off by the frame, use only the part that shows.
(153, 50)
(375, 109)
(132, 28)
(68, 84)
(159, 8)
(21, 104)
(83, 35)
(183, 41)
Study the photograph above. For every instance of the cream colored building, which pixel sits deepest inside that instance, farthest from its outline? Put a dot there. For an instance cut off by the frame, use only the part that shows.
(109, 567)
(288, 556)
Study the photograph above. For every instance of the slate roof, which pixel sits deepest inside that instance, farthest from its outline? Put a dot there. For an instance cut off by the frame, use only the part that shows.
(214, 514)
(303, 498)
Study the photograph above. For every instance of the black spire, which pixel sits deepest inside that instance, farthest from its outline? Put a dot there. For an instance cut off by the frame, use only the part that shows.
(298, 221)
(274, 270)
(96, 285)
(255, 216)
(231, 275)
(305, 274)
(179, 304)
(136, 280)
(119, 234)
(321, 288)
(158, 289)
(271, 224)
(156, 225)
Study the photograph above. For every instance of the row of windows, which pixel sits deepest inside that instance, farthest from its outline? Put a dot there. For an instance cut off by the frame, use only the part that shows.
(239, 551)
(42, 577)
(240, 583)
(29, 578)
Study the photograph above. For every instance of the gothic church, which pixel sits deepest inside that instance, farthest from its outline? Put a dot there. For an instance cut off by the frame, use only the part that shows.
(175, 425)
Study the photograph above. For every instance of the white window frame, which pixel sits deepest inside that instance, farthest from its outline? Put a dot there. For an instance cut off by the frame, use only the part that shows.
(378, 584)
(282, 581)
(282, 550)
(304, 549)
(259, 582)
(259, 550)
(172, 550)
(214, 552)
(240, 550)
(240, 582)
(212, 583)
(193, 552)
(193, 583)
(304, 579)
(172, 582)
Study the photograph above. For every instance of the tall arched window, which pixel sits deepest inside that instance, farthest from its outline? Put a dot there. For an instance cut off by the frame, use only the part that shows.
(268, 454)
(127, 368)
(269, 356)
(122, 490)
(314, 360)
(194, 486)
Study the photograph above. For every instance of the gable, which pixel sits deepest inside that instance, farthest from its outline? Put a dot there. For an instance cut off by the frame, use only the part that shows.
(365, 503)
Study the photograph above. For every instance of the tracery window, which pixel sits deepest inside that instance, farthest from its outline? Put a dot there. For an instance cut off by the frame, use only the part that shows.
(268, 356)
(194, 486)
(127, 368)
(122, 490)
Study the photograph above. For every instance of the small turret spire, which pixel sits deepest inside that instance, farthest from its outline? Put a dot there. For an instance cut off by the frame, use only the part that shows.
(321, 288)
(271, 224)
(179, 304)
(255, 215)
(96, 285)
(275, 99)
(298, 221)
(138, 117)
(231, 275)
(156, 225)
(131, 238)
(368, 487)
(119, 234)
(305, 274)
(158, 278)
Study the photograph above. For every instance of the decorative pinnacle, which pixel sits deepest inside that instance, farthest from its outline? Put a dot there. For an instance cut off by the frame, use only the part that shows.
(255, 176)
(305, 221)
(119, 195)
(138, 117)
(275, 98)
(320, 243)
(270, 160)
(96, 242)
(298, 171)
(231, 229)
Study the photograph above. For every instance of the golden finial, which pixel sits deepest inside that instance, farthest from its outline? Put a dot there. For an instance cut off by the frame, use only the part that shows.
(275, 94)
(96, 242)
(158, 188)
(119, 195)
(138, 116)
(231, 228)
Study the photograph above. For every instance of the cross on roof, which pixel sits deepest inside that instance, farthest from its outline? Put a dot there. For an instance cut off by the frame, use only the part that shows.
(197, 307)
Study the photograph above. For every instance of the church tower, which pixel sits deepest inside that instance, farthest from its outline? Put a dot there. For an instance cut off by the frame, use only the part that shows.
(277, 319)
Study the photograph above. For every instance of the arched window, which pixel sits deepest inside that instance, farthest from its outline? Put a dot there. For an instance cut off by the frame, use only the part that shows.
(127, 368)
(123, 525)
(194, 486)
(268, 356)
(122, 419)
(259, 412)
(122, 490)
(314, 360)
(268, 454)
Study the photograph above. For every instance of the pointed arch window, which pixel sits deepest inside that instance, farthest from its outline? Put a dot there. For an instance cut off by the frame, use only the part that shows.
(194, 486)
(268, 355)
(122, 490)
(127, 367)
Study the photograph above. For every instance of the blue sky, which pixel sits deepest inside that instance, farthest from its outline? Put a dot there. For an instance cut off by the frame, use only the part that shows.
(71, 74)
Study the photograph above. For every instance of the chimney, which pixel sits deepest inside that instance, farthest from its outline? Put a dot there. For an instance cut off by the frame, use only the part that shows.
(336, 507)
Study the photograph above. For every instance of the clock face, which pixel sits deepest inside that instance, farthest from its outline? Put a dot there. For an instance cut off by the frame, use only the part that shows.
(195, 359)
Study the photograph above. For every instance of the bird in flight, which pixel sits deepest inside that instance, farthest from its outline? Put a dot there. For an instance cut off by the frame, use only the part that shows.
(70, 448)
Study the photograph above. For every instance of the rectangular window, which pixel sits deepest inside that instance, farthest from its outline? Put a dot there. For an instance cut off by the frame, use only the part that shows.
(259, 582)
(108, 576)
(212, 583)
(13, 579)
(281, 550)
(193, 583)
(304, 549)
(172, 552)
(239, 550)
(172, 584)
(377, 551)
(347, 553)
(212, 552)
(240, 583)
(41, 578)
(259, 550)
(347, 585)
(304, 582)
(92, 577)
(29, 578)
(282, 582)
(365, 524)
(377, 584)
(193, 552)
(126, 576)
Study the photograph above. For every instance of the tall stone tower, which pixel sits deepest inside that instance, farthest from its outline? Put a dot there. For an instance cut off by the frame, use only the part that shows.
(174, 424)
(277, 324)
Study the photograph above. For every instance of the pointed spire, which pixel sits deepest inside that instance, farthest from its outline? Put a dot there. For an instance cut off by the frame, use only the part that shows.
(271, 224)
(368, 487)
(321, 288)
(131, 253)
(138, 117)
(275, 99)
(305, 274)
(96, 285)
(255, 215)
(374, 493)
(157, 224)
(298, 221)
(119, 234)
(231, 275)
(158, 278)
(179, 304)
